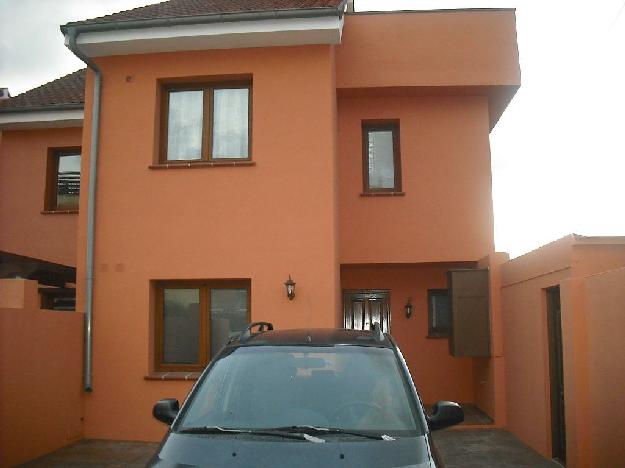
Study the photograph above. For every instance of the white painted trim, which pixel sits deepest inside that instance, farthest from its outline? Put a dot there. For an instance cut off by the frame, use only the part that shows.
(227, 35)
(41, 119)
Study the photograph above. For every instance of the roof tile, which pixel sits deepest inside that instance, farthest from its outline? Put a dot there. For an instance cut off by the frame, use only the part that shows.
(184, 8)
(67, 90)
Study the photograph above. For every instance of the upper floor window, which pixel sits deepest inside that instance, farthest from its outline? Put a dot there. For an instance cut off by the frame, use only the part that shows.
(206, 122)
(381, 162)
(63, 179)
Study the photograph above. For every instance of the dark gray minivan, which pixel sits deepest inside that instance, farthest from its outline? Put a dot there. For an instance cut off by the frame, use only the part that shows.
(303, 398)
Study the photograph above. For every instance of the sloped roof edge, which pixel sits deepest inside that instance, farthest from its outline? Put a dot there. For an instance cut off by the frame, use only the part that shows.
(177, 12)
(64, 93)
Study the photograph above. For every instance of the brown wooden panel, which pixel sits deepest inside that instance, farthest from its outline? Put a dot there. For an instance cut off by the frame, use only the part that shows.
(363, 308)
(470, 313)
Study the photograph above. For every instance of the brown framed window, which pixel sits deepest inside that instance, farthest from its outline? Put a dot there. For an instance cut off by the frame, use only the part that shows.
(209, 122)
(194, 319)
(63, 179)
(439, 313)
(381, 157)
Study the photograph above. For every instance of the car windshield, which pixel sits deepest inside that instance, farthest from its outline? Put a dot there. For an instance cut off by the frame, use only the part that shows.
(355, 388)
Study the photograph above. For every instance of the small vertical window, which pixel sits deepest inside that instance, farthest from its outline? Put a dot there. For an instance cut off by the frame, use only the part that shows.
(206, 123)
(381, 159)
(195, 319)
(63, 180)
(439, 317)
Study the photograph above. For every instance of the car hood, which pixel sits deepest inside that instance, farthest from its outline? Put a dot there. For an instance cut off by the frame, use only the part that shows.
(180, 450)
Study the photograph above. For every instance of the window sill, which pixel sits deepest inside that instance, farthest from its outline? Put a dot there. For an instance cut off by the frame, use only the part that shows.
(195, 165)
(172, 376)
(382, 194)
(47, 212)
(436, 337)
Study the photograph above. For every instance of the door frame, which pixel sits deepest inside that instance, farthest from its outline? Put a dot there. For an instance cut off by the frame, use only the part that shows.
(556, 375)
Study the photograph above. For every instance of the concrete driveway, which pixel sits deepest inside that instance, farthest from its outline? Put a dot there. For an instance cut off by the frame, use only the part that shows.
(487, 448)
(466, 448)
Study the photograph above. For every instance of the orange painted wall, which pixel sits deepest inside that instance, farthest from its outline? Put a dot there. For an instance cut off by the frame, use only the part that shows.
(590, 306)
(262, 222)
(446, 213)
(524, 316)
(590, 259)
(451, 48)
(605, 303)
(437, 375)
(575, 366)
(23, 159)
(40, 366)
(489, 373)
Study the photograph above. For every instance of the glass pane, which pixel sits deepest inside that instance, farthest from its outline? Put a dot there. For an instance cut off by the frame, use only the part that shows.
(68, 180)
(228, 315)
(440, 317)
(350, 387)
(381, 162)
(181, 326)
(230, 123)
(184, 125)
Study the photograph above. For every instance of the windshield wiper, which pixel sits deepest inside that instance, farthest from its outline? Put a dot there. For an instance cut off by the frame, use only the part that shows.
(277, 432)
(330, 430)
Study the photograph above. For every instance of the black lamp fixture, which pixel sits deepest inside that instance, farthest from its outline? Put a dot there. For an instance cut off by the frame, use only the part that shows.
(408, 307)
(290, 288)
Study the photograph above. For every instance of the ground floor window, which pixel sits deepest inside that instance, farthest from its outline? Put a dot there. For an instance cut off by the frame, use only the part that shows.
(194, 319)
(439, 316)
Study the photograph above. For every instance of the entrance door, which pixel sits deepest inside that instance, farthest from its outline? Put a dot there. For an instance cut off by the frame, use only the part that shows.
(362, 308)
(554, 324)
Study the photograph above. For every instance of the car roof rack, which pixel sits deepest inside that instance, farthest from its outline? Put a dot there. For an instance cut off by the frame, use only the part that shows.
(377, 332)
(247, 331)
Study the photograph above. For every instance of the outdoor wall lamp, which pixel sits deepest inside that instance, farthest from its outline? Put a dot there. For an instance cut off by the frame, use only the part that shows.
(408, 307)
(290, 288)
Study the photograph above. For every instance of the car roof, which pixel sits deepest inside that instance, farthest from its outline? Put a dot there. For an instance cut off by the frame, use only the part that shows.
(313, 337)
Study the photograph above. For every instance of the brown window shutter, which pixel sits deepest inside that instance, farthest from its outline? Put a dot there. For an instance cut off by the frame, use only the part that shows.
(470, 313)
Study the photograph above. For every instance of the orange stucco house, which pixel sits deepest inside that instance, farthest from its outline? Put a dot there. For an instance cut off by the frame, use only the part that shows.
(209, 153)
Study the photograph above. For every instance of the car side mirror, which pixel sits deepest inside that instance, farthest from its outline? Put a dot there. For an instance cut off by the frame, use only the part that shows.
(166, 410)
(445, 414)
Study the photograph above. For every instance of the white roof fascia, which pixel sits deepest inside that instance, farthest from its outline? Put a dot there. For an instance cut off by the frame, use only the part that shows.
(41, 119)
(226, 35)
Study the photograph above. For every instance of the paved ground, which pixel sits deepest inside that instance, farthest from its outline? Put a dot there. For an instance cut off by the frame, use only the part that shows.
(98, 453)
(487, 448)
(467, 448)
